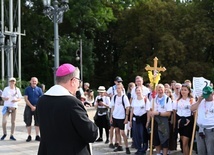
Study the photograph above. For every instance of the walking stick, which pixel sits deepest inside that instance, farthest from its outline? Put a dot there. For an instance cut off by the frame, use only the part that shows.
(193, 132)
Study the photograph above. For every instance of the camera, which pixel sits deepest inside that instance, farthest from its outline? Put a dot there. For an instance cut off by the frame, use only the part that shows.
(89, 90)
(99, 100)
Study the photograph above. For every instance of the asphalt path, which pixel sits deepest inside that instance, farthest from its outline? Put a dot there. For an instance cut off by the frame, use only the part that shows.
(21, 147)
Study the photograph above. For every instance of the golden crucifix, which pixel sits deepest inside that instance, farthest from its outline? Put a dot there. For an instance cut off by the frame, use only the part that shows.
(154, 79)
(155, 68)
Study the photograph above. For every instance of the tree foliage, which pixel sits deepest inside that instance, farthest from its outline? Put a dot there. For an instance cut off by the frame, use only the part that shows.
(179, 34)
(82, 21)
(120, 37)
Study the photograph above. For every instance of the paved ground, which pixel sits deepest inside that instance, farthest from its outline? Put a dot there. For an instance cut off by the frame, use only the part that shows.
(20, 147)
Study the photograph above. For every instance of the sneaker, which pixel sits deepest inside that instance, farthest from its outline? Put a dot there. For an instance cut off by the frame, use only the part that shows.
(168, 153)
(119, 148)
(140, 153)
(111, 146)
(12, 138)
(37, 138)
(3, 137)
(116, 145)
(99, 140)
(127, 135)
(107, 141)
(132, 146)
(28, 138)
(128, 151)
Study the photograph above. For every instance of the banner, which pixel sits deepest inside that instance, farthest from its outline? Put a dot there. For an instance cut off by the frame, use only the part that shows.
(198, 84)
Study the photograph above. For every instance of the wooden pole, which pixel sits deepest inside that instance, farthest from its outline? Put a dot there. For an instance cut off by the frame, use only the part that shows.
(152, 129)
(193, 132)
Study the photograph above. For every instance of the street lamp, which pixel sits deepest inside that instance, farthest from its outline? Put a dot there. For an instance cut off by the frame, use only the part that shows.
(7, 49)
(79, 58)
(29, 4)
(55, 14)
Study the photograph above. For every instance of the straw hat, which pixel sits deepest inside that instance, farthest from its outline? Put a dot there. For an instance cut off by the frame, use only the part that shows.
(101, 89)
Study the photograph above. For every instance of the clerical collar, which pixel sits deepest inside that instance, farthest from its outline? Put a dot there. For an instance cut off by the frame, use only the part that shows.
(71, 93)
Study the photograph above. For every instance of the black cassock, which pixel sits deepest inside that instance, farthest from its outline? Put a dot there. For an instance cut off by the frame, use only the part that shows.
(64, 126)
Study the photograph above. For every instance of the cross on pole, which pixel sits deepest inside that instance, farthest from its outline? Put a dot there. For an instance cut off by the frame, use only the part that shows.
(154, 79)
(155, 68)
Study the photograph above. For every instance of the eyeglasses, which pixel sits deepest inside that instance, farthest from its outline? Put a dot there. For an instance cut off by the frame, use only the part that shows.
(77, 79)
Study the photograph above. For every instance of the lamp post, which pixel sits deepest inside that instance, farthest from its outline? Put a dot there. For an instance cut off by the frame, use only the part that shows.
(55, 14)
(8, 47)
(79, 58)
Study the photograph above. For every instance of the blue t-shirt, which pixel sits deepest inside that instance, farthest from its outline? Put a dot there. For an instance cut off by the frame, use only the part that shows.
(33, 94)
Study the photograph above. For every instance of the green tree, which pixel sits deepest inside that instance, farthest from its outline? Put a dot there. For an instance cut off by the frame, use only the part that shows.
(120, 37)
(177, 33)
(81, 21)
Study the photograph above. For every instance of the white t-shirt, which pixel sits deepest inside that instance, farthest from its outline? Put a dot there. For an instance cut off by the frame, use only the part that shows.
(206, 113)
(12, 94)
(140, 107)
(106, 100)
(183, 107)
(89, 99)
(119, 110)
(175, 97)
(113, 91)
(145, 92)
(81, 91)
(161, 104)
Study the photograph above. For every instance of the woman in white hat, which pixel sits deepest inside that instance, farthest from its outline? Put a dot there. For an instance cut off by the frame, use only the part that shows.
(101, 118)
(11, 96)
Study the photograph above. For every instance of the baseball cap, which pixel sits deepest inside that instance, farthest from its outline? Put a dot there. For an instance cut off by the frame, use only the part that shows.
(65, 69)
(118, 79)
(12, 79)
(207, 91)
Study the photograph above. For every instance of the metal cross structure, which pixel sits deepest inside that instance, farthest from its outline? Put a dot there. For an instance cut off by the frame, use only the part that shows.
(13, 55)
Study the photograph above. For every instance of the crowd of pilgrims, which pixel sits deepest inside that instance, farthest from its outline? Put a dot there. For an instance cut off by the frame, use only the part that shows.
(127, 114)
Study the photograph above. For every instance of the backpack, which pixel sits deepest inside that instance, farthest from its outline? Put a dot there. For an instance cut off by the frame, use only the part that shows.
(145, 99)
(167, 99)
(113, 90)
(122, 101)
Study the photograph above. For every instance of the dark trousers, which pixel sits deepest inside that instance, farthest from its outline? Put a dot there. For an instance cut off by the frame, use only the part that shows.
(103, 122)
(140, 136)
